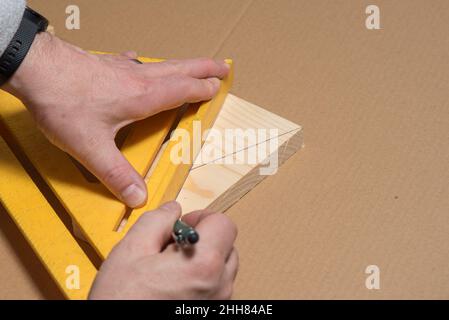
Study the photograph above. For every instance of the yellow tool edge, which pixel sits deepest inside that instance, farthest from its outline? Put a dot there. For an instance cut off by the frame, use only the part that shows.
(139, 148)
(57, 250)
(142, 144)
(100, 237)
(168, 177)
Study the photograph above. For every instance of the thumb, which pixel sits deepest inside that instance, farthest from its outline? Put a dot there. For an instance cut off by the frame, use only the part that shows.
(152, 231)
(109, 165)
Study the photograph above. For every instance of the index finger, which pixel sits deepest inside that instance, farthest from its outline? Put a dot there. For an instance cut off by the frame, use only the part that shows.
(194, 217)
(196, 68)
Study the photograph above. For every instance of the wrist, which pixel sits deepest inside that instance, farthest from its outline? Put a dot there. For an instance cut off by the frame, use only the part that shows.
(41, 47)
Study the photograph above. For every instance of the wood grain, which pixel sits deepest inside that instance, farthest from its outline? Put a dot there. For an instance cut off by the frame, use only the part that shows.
(215, 185)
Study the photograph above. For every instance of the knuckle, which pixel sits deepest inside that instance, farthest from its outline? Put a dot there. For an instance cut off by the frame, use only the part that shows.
(207, 61)
(210, 89)
(156, 216)
(116, 174)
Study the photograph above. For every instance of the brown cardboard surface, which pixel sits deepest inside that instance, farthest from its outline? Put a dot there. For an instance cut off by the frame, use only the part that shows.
(371, 185)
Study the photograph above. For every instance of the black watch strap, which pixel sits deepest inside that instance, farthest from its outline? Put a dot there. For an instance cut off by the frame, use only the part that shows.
(32, 23)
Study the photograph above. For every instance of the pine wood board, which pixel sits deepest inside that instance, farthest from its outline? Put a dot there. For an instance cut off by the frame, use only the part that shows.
(217, 186)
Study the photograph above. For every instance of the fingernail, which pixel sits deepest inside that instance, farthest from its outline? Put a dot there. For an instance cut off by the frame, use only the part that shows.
(227, 66)
(170, 206)
(133, 195)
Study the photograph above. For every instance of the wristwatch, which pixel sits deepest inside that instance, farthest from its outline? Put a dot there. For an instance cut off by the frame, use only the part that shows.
(32, 23)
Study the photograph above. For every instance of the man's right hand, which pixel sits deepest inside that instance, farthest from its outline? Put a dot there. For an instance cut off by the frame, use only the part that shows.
(146, 264)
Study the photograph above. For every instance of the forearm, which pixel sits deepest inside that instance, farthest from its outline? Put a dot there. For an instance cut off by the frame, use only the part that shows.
(11, 12)
(41, 54)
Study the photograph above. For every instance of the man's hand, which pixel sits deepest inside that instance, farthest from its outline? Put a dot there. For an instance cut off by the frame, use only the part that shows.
(146, 265)
(80, 101)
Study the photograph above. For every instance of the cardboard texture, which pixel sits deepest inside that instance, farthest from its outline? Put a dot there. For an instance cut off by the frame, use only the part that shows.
(371, 185)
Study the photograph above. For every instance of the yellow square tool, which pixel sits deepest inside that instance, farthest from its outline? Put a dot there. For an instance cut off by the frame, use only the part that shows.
(88, 203)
